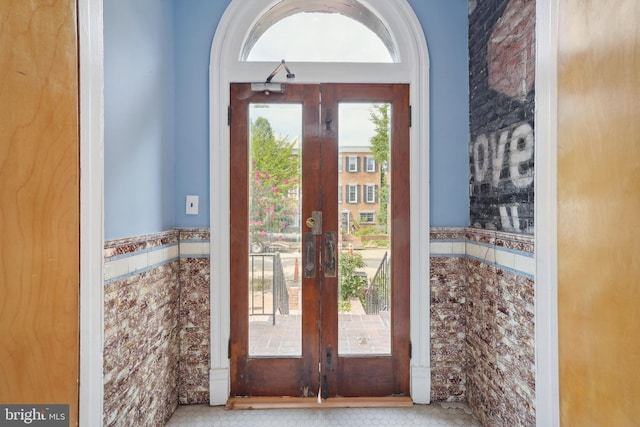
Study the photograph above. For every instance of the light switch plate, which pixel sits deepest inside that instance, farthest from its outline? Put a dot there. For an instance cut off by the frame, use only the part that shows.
(192, 205)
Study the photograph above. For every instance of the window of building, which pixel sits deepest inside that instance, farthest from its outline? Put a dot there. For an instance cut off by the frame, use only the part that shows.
(294, 193)
(339, 193)
(352, 193)
(370, 164)
(352, 164)
(367, 217)
(370, 193)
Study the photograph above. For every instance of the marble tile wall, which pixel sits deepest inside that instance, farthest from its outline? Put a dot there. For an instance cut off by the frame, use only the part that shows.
(482, 323)
(156, 352)
(194, 316)
(501, 332)
(141, 330)
(157, 324)
(448, 315)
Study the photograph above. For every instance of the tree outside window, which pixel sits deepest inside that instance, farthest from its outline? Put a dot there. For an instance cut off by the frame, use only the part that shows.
(274, 179)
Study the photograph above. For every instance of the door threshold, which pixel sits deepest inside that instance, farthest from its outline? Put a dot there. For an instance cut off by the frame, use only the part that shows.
(312, 402)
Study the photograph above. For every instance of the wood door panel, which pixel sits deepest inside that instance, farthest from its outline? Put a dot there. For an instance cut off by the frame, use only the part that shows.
(401, 235)
(267, 376)
(598, 229)
(39, 204)
(277, 377)
(238, 238)
(371, 375)
(354, 375)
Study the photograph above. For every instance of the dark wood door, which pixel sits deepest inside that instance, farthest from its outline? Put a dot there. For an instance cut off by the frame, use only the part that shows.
(323, 212)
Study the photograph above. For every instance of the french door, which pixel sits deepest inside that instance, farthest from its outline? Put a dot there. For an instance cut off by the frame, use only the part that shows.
(320, 240)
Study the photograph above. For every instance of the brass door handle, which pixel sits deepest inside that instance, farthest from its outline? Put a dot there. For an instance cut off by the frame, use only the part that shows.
(330, 244)
(309, 256)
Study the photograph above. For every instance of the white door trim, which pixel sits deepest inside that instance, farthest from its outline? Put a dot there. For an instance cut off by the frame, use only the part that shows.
(546, 338)
(226, 67)
(90, 18)
(91, 65)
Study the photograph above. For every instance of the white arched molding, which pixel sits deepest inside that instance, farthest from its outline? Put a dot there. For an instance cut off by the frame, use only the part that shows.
(226, 67)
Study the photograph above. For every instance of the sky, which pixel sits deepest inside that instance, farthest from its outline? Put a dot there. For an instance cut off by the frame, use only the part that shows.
(335, 37)
(347, 41)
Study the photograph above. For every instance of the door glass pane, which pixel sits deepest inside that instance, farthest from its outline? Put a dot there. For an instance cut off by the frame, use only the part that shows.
(364, 301)
(274, 230)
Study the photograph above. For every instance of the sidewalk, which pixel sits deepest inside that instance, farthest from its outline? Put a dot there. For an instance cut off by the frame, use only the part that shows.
(358, 333)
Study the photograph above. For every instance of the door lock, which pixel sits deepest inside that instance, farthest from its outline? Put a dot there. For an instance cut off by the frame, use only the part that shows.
(315, 223)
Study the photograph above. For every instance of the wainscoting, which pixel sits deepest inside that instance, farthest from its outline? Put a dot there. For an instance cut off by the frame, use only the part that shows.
(157, 318)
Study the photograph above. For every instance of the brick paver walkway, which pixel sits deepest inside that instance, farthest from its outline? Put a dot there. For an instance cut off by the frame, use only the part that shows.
(358, 333)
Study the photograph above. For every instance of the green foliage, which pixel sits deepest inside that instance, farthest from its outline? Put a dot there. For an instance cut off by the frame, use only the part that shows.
(377, 243)
(344, 305)
(367, 231)
(350, 283)
(274, 172)
(379, 116)
(272, 156)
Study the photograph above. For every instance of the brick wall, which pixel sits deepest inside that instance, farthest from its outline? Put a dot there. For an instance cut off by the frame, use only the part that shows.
(360, 178)
(501, 114)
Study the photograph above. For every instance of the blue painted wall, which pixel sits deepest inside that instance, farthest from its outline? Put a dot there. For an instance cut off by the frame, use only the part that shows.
(446, 27)
(445, 24)
(139, 153)
(196, 22)
(140, 54)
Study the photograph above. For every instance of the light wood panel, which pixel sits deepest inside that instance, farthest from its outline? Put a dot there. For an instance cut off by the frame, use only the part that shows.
(598, 212)
(313, 403)
(39, 203)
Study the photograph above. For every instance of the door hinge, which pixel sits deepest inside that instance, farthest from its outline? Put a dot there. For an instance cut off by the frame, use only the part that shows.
(410, 350)
(410, 120)
(229, 349)
(229, 115)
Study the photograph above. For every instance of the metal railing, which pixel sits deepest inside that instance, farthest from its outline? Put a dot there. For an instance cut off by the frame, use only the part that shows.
(266, 275)
(377, 295)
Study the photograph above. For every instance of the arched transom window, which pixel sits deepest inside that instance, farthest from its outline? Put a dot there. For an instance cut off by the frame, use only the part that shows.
(314, 31)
